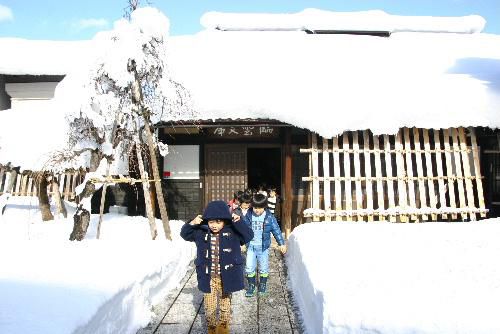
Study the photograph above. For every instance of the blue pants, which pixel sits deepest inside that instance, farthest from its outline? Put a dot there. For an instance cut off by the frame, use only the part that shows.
(255, 255)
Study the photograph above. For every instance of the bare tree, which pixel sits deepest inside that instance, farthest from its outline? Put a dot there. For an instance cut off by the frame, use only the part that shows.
(138, 100)
(121, 102)
(43, 196)
(61, 207)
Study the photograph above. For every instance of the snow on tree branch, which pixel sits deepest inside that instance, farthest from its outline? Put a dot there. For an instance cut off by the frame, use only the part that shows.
(99, 97)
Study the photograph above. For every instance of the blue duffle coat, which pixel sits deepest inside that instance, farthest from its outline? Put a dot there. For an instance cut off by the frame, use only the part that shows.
(232, 264)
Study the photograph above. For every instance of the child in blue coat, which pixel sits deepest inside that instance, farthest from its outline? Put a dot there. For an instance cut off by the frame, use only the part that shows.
(263, 223)
(219, 263)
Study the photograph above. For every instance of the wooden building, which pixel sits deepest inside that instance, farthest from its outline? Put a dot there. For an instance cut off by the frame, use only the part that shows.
(415, 176)
(391, 118)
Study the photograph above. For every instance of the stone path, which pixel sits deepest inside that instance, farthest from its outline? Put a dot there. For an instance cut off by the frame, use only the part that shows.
(182, 310)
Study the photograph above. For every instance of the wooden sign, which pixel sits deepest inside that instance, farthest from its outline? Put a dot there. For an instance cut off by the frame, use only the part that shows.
(244, 132)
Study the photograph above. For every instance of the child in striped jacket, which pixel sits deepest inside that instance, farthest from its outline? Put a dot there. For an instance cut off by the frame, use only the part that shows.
(219, 264)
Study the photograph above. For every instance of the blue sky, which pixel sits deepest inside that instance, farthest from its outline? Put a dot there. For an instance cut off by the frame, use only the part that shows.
(76, 20)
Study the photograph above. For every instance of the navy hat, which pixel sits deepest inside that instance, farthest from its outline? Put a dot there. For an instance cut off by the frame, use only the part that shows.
(217, 210)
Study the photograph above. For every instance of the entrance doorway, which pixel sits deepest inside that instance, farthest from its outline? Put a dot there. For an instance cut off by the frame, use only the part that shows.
(264, 167)
(229, 168)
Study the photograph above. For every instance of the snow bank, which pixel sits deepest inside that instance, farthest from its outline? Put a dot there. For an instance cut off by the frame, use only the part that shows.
(51, 285)
(396, 278)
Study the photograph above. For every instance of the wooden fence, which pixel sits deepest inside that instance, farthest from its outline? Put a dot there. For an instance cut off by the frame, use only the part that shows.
(416, 175)
(25, 183)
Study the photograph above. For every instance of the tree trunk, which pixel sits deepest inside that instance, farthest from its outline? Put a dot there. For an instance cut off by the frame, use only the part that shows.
(156, 176)
(81, 218)
(43, 198)
(103, 201)
(145, 187)
(61, 208)
(81, 221)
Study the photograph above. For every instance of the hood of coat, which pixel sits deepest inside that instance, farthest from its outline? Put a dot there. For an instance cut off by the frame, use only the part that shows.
(217, 210)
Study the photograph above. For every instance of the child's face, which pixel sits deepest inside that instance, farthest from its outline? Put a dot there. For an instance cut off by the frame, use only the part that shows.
(272, 193)
(244, 206)
(216, 225)
(258, 211)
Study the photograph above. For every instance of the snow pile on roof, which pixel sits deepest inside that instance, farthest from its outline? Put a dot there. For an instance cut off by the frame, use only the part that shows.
(325, 83)
(396, 278)
(333, 83)
(314, 19)
(21, 56)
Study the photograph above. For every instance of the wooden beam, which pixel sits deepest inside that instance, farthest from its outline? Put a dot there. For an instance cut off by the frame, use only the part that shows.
(326, 183)
(420, 173)
(400, 165)
(378, 175)
(24, 184)
(368, 174)
(17, 189)
(458, 170)
(428, 165)
(477, 170)
(389, 182)
(30, 186)
(357, 174)
(439, 167)
(467, 173)
(409, 171)
(449, 171)
(336, 172)
(288, 200)
(347, 173)
(315, 174)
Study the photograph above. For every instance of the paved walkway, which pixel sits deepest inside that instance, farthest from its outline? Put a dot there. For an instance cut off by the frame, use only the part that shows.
(182, 310)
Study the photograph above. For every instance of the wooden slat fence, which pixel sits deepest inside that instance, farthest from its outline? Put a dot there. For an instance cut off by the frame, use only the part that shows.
(25, 183)
(415, 175)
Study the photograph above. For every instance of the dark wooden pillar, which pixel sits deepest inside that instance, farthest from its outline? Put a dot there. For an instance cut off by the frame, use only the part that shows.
(288, 200)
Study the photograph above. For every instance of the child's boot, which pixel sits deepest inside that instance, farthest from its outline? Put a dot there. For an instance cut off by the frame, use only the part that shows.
(223, 328)
(263, 285)
(251, 286)
(213, 330)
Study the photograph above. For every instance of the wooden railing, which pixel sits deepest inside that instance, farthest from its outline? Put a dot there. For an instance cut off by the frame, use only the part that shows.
(416, 175)
(25, 183)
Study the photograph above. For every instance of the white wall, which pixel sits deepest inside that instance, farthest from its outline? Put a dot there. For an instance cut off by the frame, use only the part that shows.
(182, 162)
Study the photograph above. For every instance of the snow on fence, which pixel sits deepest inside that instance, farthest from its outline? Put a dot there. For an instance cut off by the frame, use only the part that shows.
(415, 175)
(26, 183)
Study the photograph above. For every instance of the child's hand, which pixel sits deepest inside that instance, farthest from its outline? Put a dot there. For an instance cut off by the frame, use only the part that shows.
(243, 248)
(282, 249)
(236, 217)
(196, 221)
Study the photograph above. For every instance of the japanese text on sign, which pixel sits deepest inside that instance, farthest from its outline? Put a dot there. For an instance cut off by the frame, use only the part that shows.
(244, 131)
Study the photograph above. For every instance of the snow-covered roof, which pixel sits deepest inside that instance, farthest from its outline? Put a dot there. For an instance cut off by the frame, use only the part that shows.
(321, 20)
(29, 57)
(327, 83)
(332, 83)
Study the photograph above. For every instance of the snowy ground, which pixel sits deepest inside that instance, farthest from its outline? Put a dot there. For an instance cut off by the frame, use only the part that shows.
(49, 284)
(345, 277)
(397, 278)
